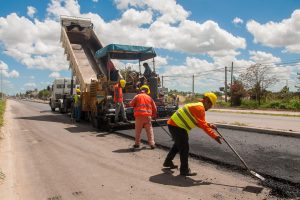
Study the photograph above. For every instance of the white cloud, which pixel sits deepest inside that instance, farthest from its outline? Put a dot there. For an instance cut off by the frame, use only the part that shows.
(170, 11)
(237, 20)
(39, 46)
(13, 74)
(284, 34)
(30, 85)
(5, 72)
(31, 11)
(263, 57)
(54, 75)
(95, 1)
(31, 77)
(63, 7)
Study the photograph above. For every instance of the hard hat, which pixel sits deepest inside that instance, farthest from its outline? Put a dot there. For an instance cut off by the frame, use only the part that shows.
(145, 87)
(212, 97)
(78, 90)
(122, 83)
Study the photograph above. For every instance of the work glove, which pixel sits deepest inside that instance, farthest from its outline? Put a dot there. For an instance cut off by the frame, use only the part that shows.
(218, 139)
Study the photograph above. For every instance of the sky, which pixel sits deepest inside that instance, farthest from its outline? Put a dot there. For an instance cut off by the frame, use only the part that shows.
(197, 37)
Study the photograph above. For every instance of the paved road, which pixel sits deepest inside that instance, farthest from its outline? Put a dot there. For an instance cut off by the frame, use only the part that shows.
(45, 157)
(277, 156)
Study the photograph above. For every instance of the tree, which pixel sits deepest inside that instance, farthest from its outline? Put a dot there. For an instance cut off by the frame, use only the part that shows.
(43, 94)
(238, 92)
(257, 78)
(298, 86)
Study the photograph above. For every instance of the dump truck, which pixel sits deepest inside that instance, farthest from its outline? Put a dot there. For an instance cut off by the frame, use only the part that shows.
(94, 71)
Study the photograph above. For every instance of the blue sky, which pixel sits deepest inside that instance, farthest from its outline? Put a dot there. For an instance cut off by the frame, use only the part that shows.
(190, 37)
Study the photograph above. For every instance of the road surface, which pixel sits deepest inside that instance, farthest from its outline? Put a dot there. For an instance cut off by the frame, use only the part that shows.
(44, 156)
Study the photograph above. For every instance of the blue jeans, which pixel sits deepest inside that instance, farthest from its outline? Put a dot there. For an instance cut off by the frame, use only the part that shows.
(77, 113)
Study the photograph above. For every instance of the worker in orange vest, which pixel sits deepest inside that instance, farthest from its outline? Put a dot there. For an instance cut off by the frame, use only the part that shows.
(144, 110)
(180, 124)
(118, 99)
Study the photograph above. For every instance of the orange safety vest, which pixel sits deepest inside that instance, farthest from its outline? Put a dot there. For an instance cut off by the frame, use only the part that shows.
(143, 105)
(118, 94)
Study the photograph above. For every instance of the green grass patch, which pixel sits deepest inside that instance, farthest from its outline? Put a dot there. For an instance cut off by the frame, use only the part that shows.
(2, 109)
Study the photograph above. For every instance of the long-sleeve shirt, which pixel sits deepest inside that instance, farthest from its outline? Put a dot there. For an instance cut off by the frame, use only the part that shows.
(198, 112)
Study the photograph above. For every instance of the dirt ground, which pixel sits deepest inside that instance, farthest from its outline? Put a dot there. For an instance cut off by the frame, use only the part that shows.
(41, 160)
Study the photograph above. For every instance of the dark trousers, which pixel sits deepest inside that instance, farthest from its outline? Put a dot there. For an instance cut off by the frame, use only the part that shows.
(181, 145)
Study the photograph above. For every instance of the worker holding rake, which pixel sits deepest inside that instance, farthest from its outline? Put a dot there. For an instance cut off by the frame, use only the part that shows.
(181, 123)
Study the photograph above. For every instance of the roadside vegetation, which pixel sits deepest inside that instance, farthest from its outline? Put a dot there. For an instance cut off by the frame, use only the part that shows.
(250, 91)
(2, 109)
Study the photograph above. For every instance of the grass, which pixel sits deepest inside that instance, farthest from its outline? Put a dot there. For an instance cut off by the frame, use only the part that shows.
(2, 109)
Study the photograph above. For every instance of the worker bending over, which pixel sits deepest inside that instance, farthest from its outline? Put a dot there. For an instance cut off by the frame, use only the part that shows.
(181, 123)
(118, 99)
(144, 109)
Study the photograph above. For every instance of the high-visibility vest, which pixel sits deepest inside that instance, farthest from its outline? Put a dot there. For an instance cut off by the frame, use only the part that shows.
(118, 94)
(76, 99)
(143, 106)
(184, 119)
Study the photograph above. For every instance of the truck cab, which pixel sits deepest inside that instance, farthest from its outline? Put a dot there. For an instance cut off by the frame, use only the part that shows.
(61, 90)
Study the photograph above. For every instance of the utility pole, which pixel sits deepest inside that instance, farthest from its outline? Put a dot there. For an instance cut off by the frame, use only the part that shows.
(193, 88)
(225, 84)
(162, 81)
(231, 103)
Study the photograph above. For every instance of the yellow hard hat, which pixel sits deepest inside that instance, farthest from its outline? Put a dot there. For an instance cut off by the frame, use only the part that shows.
(78, 90)
(122, 83)
(212, 97)
(145, 87)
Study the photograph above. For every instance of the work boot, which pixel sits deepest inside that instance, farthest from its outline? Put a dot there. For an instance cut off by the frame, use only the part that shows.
(170, 165)
(136, 146)
(188, 173)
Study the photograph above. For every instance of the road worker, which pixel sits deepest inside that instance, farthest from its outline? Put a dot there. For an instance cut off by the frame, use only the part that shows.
(77, 105)
(144, 110)
(118, 99)
(180, 124)
(147, 71)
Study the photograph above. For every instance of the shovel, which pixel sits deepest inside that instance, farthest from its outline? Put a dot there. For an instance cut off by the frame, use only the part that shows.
(241, 159)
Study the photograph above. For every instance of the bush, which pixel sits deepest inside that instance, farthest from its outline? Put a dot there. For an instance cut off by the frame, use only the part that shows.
(249, 104)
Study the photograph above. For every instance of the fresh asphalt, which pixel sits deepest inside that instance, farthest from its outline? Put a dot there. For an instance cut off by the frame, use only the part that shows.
(276, 156)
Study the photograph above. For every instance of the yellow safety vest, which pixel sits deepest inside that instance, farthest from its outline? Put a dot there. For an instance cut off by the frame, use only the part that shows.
(76, 99)
(184, 119)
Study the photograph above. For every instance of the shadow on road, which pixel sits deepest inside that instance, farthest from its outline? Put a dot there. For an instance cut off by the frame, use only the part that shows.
(130, 150)
(48, 118)
(181, 181)
(167, 178)
(76, 127)
(80, 129)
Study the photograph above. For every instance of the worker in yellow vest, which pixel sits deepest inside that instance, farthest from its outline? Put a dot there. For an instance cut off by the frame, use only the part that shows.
(180, 124)
(77, 105)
